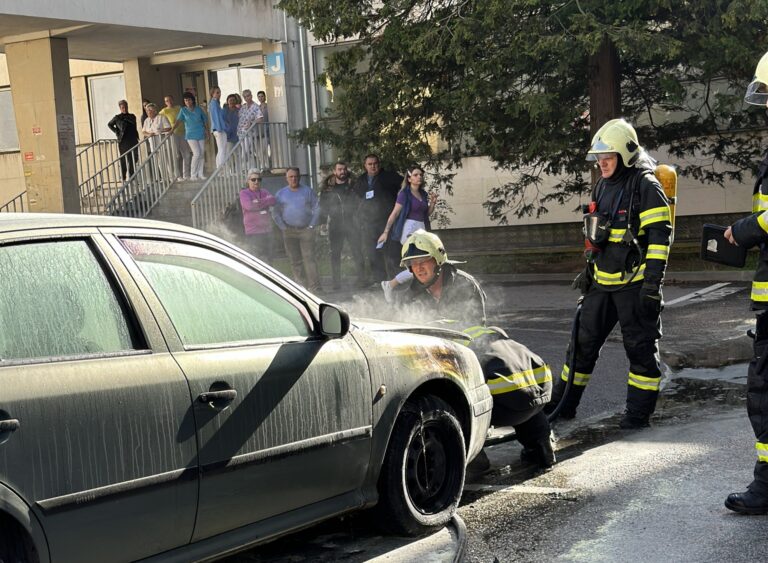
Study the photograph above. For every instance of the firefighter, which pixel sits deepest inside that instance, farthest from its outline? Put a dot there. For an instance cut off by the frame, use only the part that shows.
(520, 381)
(628, 233)
(748, 232)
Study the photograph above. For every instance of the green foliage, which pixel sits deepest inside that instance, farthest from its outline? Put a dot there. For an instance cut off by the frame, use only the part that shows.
(509, 79)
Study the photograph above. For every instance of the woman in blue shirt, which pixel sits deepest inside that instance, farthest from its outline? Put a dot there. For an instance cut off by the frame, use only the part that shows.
(196, 132)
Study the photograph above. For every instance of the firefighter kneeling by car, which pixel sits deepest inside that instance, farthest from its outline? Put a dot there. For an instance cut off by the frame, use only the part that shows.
(519, 380)
(628, 229)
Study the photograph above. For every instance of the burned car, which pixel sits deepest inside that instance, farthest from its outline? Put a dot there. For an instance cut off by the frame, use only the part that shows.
(165, 395)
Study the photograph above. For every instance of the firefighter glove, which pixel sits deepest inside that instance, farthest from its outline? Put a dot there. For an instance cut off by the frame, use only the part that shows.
(581, 282)
(650, 297)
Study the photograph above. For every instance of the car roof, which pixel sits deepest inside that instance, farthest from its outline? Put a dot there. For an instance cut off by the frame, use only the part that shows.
(18, 221)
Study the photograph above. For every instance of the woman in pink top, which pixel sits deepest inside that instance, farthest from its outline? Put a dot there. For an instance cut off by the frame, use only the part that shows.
(257, 220)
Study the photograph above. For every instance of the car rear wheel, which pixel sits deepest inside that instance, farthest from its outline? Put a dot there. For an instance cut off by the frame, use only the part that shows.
(423, 473)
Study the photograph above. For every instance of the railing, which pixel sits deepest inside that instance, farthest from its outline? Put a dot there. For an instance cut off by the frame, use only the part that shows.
(95, 157)
(16, 205)
(155, 172)
(264, 146)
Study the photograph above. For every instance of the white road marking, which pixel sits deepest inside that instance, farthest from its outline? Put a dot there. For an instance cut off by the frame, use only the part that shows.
(717, 290)
(518, 489)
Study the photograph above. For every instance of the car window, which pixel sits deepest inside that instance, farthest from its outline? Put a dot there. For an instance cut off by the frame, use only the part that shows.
(57, 300)
(213, 299)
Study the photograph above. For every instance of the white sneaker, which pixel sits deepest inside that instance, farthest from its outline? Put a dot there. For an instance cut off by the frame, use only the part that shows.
(388, 291)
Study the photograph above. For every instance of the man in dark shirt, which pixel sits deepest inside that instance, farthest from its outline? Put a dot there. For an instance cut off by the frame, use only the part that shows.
(377, 191)
(338, 204)
(124, 126)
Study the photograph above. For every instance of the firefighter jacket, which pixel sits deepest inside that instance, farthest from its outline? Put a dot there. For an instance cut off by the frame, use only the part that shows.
(634, 202)
(753, 231)
(520, 381)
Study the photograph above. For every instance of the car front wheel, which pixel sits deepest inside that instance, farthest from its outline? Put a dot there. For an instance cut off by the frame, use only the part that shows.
(423, 473)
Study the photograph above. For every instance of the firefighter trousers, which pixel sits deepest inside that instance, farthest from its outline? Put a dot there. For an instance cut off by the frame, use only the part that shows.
(640, 330)
(757, 403)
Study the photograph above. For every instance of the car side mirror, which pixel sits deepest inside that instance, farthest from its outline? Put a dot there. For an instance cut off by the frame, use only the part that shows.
(334, 322)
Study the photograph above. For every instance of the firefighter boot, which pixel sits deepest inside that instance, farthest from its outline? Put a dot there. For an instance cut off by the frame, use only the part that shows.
(541, 454)
(633, 421)
(747, 502)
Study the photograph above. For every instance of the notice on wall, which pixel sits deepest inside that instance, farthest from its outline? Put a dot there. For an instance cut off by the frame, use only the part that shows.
(66, 127)
(29, 155)
(65, 123)
(37, 131)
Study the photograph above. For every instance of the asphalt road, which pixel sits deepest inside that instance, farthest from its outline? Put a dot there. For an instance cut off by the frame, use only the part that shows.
(650, 495)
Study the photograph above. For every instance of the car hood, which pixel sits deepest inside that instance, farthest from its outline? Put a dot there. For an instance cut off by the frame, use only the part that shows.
(376, 325)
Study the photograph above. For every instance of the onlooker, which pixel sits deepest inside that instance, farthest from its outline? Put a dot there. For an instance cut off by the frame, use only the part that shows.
(411, 213)
(218, 125)
(257, 221)
(195, 122)
(183, 154)
(338, 203)
(377, 192)
(154, 125)
(296, 212)
(249, 115)
(266, 152)
(144, 114)
(261, 95)
(231, 113)
(124, 126)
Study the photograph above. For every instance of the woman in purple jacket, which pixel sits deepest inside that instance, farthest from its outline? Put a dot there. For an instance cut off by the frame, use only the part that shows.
(257, 220)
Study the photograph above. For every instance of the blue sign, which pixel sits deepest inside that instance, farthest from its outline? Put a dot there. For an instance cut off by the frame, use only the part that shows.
(275, 64)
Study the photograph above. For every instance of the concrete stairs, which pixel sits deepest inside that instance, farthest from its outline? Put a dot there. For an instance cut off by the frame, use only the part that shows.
(175, 205)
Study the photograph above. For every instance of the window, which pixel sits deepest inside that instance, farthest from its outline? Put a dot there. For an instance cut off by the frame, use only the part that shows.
(9, 137)
(213, 299)
(56, 300)
(105, 92)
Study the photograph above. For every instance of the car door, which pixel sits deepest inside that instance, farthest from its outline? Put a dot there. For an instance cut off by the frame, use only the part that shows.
(283, 415)
(97, 436)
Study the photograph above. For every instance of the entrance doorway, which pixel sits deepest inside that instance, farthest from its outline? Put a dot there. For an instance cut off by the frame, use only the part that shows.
(236, 79)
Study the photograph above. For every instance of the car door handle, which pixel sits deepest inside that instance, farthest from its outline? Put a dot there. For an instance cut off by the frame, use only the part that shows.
(211, 396)
(9, 425)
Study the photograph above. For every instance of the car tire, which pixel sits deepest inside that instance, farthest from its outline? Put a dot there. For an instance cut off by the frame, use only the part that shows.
(15, 545)
(423, 473)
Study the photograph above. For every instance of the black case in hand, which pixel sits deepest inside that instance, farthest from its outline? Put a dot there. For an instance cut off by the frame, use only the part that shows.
(716, 248)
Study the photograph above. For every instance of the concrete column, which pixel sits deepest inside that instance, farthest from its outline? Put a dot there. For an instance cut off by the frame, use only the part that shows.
(42, 101)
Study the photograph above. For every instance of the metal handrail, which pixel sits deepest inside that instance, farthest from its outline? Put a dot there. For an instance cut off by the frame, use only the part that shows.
(94, 159)
(16, 205)
(264, 147)
(154, 174)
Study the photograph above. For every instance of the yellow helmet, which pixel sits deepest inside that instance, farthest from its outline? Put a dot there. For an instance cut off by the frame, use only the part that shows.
(616, 136)
(757, 91)
(421, 244)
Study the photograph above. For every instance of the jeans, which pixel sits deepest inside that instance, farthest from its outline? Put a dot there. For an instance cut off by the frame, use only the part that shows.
(222, 150)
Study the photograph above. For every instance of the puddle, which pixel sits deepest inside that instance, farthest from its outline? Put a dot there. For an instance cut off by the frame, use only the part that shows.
(736, 373)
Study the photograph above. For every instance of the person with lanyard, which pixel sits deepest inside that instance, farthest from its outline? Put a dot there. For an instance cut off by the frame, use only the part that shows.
(628, 229)
(196, 127)
(520, 381)
(377, 191)
(411, 212)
